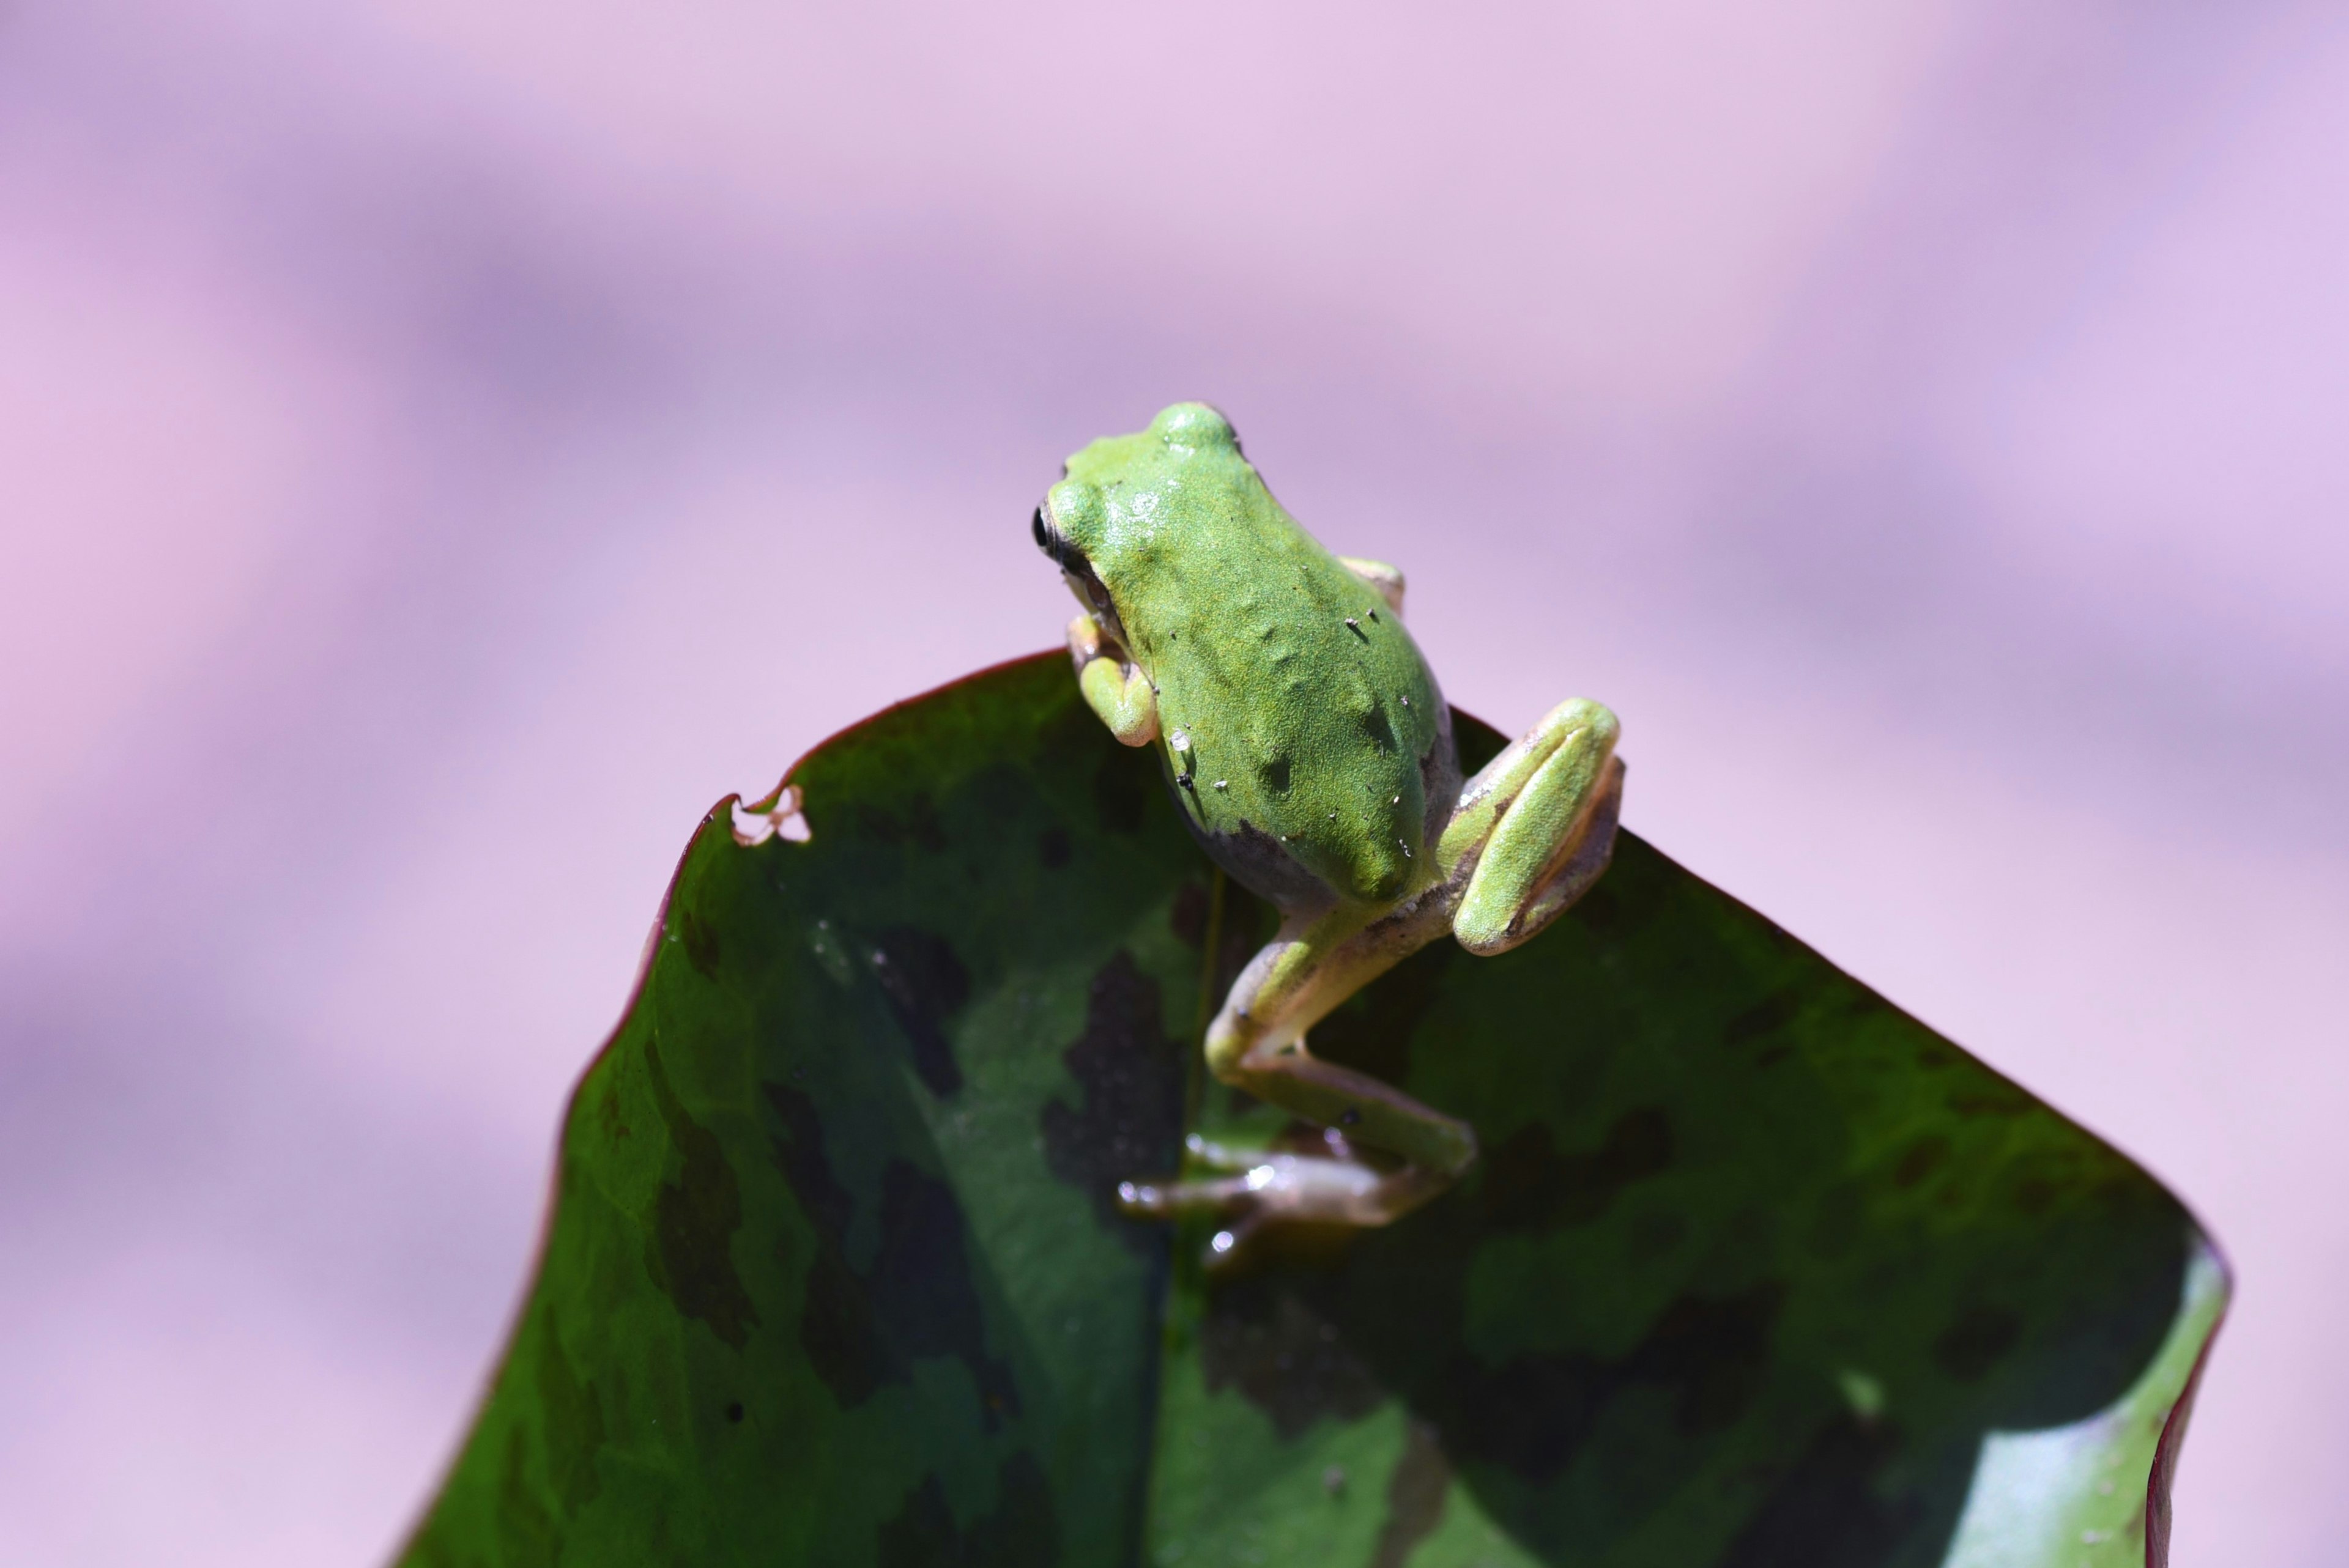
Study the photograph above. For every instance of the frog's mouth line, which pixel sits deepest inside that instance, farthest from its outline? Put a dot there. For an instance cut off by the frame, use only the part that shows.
(1082, 581)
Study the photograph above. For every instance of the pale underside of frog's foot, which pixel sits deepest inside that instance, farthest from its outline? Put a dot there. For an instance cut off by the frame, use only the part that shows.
(1267, 1187)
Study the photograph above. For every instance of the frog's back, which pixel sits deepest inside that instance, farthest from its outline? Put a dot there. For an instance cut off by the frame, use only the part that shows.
(1298, 721)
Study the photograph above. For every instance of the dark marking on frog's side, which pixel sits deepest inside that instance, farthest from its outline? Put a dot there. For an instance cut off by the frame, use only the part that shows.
(1022, 1530)
(1924, 1157)
(701, 941)
(1262, 864)
(1767, 1016)
(1829, 1509)
(1122, 787)
(1274, 776)
(925, 986)
(1284, 1356)
(838, 1327)
(1054, 850)
(1376, 728)
(1529, 1185)
(1129, 1122)
(1416, 1496)
(1977, 1341)
(695, 1215)
(571, 1423)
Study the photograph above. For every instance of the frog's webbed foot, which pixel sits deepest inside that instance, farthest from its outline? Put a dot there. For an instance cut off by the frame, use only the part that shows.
(1264, 1187)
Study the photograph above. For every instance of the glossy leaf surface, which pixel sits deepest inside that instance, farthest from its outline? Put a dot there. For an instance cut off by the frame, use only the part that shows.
(1756, 1270)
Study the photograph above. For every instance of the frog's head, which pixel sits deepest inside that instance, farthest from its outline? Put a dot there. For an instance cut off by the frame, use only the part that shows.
(1116, 498)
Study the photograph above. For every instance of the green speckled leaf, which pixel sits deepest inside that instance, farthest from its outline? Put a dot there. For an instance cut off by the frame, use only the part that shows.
(1757, 1270)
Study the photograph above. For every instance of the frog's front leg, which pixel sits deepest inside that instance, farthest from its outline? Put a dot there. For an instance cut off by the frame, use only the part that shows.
(1114, 685)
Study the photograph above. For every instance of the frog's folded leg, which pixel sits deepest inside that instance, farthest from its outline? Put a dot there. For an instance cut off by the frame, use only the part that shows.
(1533, 828)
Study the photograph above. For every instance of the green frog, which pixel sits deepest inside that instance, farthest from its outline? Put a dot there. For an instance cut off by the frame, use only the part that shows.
(1310, 751)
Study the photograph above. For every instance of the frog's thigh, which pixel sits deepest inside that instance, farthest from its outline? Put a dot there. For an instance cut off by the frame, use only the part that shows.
(1551, 836)
(1256, 1042)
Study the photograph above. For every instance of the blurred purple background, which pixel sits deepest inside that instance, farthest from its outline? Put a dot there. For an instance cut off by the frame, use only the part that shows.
(447, 445)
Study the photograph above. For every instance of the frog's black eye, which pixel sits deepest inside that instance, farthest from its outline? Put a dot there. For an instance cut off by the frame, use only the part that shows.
(1043, 535)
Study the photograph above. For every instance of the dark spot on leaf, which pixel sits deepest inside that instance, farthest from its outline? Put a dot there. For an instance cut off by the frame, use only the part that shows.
(925, 984)
(1713, 1353)
(1529, 1186)
(1052, 847)
(1416, 1496)
(1274, 776)
(1534, 1413)
(701, 940)
(1828, 1509)
(1924, 1157)
(1768, 1016)
(800, 1153)
(837, 1328)
(1022, 1531)
(922, 1290)
(1130, 1123)
(691, 1252)
(919, 1299)
(1122, 787)
(1283, 1356)
(1976, 1342)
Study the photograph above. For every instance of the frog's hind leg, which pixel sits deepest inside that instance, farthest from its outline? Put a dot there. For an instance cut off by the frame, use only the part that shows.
(1257, 1043)
(1535, 827)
